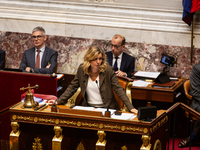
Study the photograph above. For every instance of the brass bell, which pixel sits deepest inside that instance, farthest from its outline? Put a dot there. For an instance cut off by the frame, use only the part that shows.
(29, 100)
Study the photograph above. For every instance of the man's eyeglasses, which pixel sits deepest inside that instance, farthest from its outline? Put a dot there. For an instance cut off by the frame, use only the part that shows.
(115, 46)
(38, 37)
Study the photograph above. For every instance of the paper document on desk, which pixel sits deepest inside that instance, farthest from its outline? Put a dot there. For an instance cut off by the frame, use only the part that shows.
(145, 74)
(59, 76)
(123, 116)
(94, 109)
(140, 83)
(84, 108)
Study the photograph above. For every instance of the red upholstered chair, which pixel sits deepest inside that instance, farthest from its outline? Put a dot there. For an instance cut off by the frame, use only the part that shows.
(43, 96)
(126, 83)
(186, 87)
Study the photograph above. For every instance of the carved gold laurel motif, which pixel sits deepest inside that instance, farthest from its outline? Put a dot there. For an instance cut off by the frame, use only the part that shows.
(159, 123)
(84, 124)
(37, 145)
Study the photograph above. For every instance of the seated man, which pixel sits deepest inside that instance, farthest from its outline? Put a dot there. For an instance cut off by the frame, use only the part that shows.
(195, 92)
(123, 63)
(2, 59)
(39, 59)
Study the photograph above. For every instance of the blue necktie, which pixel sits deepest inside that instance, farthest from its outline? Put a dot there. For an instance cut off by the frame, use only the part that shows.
(115, 64)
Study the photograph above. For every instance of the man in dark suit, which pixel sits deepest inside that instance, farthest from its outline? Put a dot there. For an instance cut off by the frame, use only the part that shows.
(122, 63)
(195, 92)
(39, 59)
(2, 58)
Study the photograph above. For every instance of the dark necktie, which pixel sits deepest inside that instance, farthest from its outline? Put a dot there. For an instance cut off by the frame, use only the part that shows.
(37, 64)
(115, 64)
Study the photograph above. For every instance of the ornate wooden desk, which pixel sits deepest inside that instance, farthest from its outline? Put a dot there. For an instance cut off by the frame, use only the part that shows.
(83, 129)
(10, 92)
(167, 95)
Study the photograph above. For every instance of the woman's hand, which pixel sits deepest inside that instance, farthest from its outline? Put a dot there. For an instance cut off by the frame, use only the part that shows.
(135, 111)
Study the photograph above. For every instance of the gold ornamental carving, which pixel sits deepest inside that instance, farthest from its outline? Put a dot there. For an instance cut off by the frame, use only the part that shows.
(37, 145)
(123, 128)
(35, 119)
(124, 148)
(57, 121)
(14, 117)
(157, 145)
(79, 124)
(159, 123)
(83, 124)
(80, 146)
(101, 126)
(101, 143)
(57, 139)
(145, 130)
(14, 136)
(146, 145)
(90, 124)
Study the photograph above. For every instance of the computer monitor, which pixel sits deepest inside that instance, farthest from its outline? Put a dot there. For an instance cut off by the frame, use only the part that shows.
(167, 60)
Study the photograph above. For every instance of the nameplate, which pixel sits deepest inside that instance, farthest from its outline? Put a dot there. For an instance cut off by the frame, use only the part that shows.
(80, 112)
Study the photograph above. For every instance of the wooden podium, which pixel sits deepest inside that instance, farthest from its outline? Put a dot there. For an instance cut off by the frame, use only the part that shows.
(81, 130)
(10, 92)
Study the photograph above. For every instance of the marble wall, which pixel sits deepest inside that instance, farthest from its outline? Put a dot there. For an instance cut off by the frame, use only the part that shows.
(71, 51)
(150, 27)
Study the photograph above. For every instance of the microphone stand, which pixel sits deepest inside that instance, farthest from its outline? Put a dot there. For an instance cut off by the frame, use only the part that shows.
(107, 112)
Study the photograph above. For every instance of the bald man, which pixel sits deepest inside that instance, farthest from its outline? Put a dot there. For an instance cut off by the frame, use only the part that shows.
(123, 63)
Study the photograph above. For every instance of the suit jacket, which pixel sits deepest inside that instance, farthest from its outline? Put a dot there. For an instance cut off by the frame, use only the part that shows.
(49, 56)
(195, 85)
(127, 63)
(195, 91)
(2, 58)
(108, 82)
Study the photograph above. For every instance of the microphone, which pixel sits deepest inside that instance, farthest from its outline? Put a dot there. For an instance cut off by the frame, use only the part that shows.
(107, 113)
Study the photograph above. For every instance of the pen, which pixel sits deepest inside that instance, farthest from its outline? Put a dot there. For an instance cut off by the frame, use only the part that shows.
(40, 107)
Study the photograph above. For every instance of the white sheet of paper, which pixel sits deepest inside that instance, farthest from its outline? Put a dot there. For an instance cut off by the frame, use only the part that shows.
(146, 74)
(59, 76)
(84, 108)
(140, 83)
(123, 116)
